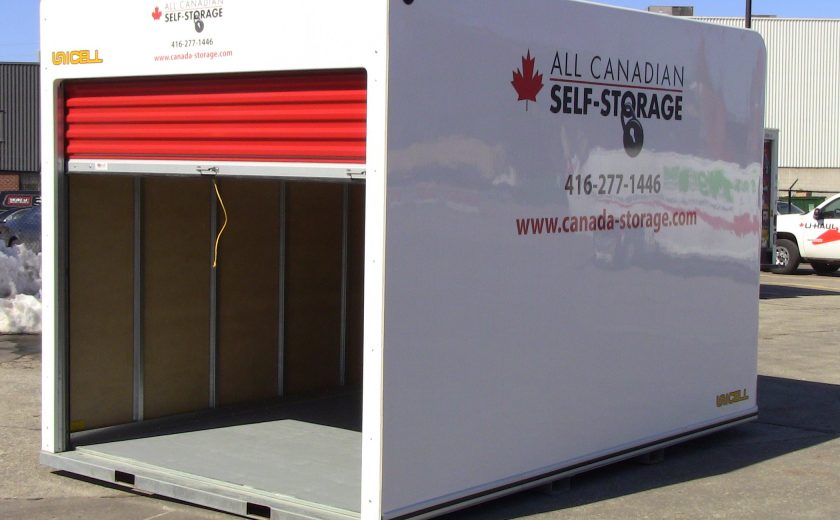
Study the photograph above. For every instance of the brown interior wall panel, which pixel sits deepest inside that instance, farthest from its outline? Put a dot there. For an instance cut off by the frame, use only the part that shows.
(313, 286)
(100, 257)
(176, 310)
(248, 290)
(355, 284)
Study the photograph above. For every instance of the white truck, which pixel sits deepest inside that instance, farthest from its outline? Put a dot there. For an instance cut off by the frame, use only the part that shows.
(404, 315)
(813, 237)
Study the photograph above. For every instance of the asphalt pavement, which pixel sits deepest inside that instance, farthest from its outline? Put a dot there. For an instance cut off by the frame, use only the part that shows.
(784, 465)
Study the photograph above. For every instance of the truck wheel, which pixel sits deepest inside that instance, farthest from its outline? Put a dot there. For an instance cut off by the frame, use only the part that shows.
(824, 268)
(787, 257)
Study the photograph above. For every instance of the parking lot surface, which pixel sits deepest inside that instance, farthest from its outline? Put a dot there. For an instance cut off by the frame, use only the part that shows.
(784, 465)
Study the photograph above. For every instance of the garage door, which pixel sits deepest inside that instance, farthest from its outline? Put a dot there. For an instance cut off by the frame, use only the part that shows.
(210, 121)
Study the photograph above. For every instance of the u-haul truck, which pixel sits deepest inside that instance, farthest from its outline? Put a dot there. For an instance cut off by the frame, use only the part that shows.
(812, 237)
(346, 259)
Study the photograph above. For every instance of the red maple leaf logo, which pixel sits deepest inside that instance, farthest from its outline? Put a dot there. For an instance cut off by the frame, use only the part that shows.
(528, 82)
(156, 13)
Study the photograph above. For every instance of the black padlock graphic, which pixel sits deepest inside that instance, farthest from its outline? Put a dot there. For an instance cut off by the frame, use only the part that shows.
(199, 25)
(634, 134)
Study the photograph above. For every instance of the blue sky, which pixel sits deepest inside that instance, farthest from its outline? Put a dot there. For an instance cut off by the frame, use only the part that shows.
(18, 30)
(780, 8)
(19, 18)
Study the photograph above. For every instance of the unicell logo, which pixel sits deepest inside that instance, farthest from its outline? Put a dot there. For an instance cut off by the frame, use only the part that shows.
(631, 90)
(77, 57)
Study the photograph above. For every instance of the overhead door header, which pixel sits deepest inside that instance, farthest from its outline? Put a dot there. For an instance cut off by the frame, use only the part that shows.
(278, 118)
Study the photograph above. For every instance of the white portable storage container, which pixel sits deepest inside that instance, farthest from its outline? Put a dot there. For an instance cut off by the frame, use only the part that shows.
(461, 247)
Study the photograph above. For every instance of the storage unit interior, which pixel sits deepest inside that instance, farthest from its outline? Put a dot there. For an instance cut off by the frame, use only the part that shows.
(245, 372)
(233, 359)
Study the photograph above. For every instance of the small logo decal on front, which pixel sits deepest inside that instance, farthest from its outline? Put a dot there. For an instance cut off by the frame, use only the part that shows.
(733, 397)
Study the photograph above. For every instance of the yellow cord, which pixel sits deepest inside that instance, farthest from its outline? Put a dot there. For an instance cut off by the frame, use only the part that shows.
(219, 236)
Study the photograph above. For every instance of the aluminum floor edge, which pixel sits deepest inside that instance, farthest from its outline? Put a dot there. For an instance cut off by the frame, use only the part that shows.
(448, 506)
(210, 493)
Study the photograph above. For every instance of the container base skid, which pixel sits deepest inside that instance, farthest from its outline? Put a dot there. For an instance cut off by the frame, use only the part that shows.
(202, 467)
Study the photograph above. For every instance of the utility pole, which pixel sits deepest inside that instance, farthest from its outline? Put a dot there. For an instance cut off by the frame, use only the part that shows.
(749, 14)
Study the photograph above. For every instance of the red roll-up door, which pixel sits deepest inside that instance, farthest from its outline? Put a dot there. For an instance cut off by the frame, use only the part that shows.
(314, 117)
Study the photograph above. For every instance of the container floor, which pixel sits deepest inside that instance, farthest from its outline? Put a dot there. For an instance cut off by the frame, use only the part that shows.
(305, 453)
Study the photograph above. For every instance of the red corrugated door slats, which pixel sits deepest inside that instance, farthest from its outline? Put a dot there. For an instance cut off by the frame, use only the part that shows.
(313, 117)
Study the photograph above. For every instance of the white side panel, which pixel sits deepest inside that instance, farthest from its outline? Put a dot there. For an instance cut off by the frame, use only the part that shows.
(509, 355)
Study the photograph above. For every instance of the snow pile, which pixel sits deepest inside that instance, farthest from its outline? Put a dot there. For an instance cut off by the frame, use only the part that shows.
(20, 290)
(20, 314)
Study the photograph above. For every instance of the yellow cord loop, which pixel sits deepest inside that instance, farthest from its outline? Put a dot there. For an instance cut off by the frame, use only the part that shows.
(222, 230)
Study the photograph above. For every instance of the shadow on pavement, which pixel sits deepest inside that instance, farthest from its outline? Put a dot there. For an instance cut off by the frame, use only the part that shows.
(772, 291)
(805, 270)
(793, 415)
(16, 346)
